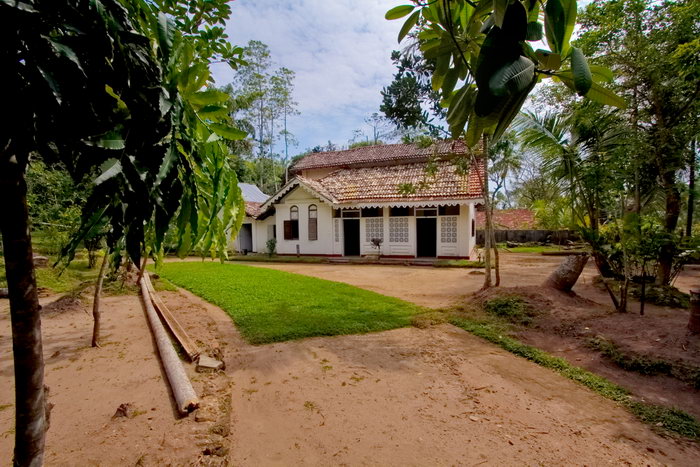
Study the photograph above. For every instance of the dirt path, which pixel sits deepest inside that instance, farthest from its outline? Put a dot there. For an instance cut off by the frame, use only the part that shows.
(87, 386)
(436, 396)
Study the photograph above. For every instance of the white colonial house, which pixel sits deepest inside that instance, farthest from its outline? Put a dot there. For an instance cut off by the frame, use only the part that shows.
(418, 201)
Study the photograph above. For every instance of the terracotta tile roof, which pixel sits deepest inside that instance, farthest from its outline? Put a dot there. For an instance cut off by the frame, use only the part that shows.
(382, 184)
(509, 219)
(378, 155)
(252, 208)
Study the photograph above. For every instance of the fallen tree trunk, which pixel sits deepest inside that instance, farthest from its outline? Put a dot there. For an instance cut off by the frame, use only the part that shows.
(171, 322)
(185, 397)
(565, 276)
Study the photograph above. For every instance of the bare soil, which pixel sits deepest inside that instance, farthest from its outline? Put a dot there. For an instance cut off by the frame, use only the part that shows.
(409, 396)
(565, 324)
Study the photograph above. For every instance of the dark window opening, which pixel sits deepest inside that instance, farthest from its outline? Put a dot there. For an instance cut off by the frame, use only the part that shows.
(400, 212)
(372, 212)
(449, 210)
(313, 222)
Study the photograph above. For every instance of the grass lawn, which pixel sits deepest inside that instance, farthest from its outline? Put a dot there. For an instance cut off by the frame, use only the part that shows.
(272, 306)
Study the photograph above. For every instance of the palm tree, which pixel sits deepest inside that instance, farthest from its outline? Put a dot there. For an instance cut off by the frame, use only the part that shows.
(581, 152)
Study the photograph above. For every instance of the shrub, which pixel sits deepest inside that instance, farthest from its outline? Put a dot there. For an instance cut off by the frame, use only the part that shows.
(512, 308)
(271, 246)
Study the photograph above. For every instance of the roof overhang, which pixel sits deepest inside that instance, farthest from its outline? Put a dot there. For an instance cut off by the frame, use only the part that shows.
(406, 203)
(292, 184)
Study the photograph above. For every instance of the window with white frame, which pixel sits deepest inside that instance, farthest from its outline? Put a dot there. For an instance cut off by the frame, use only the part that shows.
(374, 228)
(313, 222)
(448, 229)
(398, 229)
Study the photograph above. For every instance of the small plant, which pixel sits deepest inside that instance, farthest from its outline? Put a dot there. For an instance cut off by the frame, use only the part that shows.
(377, 243)
(271, 247)
(512, 308)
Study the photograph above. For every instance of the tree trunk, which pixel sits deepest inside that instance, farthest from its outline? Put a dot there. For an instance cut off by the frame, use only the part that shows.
(694, 320)
(691, 191)
(487, 215)
(30, 407)
(565, 276)
(497, 265)
(673, 210)
(96, 303)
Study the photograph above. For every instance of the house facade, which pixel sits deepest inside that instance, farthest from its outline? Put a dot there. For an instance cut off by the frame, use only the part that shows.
(415, 202)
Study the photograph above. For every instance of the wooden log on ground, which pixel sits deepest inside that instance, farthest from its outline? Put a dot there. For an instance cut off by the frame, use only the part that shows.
(565, 276)
(185, 398)
(173, 324)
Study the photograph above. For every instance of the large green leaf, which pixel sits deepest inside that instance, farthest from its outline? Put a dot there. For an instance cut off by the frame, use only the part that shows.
(535, 32)
(408, 25)
(209, 97)
(582, 74)
(605, 96)
(228, 132)
(513, 77)
(460, 107)
(499, 11)
(399, 11)
(166, 33)
(548, 60)
(110, 168)
(559, 22)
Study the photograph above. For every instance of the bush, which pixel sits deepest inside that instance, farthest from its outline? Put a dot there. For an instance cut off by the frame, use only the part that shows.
(271, 247)
(512, 308)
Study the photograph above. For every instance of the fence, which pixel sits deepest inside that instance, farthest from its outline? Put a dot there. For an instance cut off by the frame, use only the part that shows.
(526, 236)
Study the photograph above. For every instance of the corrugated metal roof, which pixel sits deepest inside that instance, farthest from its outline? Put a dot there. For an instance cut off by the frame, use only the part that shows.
(252, 193)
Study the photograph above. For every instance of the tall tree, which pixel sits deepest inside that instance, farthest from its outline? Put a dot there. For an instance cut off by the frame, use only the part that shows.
(112, 89)
(267, 100)
(654, 48)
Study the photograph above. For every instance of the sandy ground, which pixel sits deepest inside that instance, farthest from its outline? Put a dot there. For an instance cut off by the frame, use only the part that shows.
(435, 396)
(429, 286)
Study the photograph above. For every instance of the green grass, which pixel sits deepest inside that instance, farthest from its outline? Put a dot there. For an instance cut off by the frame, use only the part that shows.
(671, 419)
(272, 306)
(58, 280)
(511, 308)
(278, 259)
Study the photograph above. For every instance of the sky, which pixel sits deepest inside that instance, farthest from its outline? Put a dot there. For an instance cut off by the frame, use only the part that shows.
(340, 51)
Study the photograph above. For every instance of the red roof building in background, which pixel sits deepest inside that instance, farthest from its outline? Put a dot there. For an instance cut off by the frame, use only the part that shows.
(413, 200)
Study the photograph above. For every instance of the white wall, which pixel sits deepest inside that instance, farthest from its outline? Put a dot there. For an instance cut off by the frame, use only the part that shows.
(302, 199)
(330, 242)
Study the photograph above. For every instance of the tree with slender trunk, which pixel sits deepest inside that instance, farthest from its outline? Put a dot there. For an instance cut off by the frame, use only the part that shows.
(96, 315)
(114, 107)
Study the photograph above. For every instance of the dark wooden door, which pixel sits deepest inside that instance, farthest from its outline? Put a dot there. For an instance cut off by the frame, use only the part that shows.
(426, 237)
(246, 236)
(351, 237)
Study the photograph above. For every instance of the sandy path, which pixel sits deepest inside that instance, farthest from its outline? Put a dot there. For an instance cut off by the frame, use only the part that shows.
(87, 385)
(437, 396)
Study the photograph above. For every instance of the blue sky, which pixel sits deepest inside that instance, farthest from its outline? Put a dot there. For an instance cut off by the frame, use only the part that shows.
(340, 51)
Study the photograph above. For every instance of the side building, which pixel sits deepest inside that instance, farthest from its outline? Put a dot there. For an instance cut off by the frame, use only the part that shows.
(419, 201)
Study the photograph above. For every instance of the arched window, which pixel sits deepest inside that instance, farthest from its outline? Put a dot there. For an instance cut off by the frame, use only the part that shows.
(291, 227)
(313, 222)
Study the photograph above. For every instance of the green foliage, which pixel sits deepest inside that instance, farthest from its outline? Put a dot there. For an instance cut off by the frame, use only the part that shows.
(484, 66)
(512, 308)
(673, 420)
(271, 246)
(272, 306)
(146, 148)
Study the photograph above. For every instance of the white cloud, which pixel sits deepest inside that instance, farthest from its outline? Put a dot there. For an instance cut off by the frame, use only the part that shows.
(339, 49)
